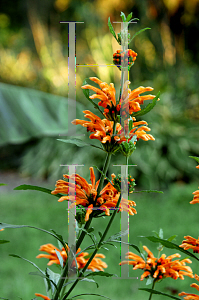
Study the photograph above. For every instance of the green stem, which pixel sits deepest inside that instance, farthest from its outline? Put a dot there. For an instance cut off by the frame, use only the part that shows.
(121, 83)
(64, 274)
(105, 168)
(83, 233)
(152, 289)
(95, 251)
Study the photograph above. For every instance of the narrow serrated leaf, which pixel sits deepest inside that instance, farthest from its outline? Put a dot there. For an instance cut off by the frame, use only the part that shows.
(89, 295)
(149, 191)
(122, 15)
(100, 273)
(195, 157)
(148, 108)
(118, 235)
(171, 238)
(78, 143)
(61, 261)
(1, 185)
(170, 245)
(90, 280)
(4, 225)
(149, 281)
(17, 256)
(112, 31)
(35, 188)
(140, 31)
(158, 293)
(128, 18)
(4, 241)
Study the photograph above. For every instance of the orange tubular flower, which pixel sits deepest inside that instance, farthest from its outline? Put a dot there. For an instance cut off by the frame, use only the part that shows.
(195, 198)
(86, 194)
(96, 263)
(160, 267)
(131, 100)
(190, 243)
(106, 95)
(42, 296)
(103, 131)
(196, 194)
(191, 296)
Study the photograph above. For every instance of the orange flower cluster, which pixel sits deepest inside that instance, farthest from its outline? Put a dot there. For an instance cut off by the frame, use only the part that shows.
(83, 193)
(190, 243)
(103, 129)
(106, 94)
(119, 57)
(191, 296)
(160, 267)
(96, 263)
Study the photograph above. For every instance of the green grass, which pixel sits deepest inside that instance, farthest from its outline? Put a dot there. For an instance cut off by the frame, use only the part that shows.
(170, 211)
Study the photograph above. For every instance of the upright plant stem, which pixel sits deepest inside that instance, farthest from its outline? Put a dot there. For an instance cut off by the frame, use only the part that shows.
(121, 83)
(152, 289)
(95, 251)
(83, 233)
(65, 270)
(105, 168)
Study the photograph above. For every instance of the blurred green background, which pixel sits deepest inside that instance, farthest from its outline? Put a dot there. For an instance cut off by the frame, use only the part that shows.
(33, 112)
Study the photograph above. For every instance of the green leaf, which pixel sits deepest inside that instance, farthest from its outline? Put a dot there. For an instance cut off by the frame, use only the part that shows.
(148, 108)
(122, 15)
(101, 273)
(89, 295)
(4, 225)
(4, 298)
(128, 18)
(61, 261)
(102, 174)
(170, 245)
(117, 236)
(35, 188)
(112, 31)
(90, 280)
(4, 241)
(195, 157)
(86, 94)
(45, 277)
(130, 123)
(100, 234)
(149, 191)
(78, 143)
(140, 31)
(54, 278)
(1, 185)
(171, 238)
(90, 229)
(149, 281)
(159, 293)
(17, 256)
